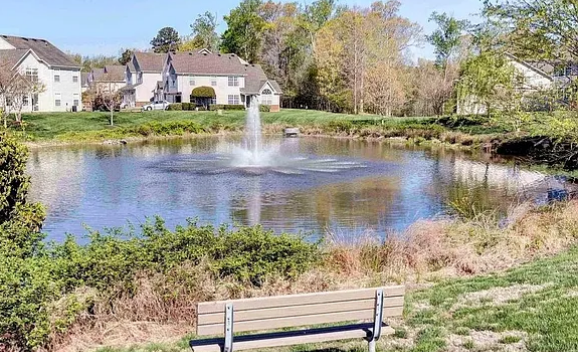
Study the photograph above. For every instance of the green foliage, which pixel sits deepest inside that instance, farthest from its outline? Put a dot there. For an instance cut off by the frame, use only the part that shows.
(175, 107)
(204, 32)
(227, 107)
(264, 108)
(446, 38)
(166, 128)
(126, 55)
(203, 92)
(167, 39)
(537, 29)
(244, 29)
(488, 79)
(20, 221)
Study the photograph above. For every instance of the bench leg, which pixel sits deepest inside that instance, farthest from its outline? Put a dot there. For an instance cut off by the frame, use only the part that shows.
(372, 345)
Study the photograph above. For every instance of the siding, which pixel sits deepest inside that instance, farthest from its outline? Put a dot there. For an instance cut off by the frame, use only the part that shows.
(222, 90)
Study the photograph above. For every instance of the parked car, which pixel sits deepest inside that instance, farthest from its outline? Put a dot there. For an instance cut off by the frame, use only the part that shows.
(157, 105)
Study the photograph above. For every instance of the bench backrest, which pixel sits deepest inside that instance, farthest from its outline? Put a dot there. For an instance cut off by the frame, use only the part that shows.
(268, 313)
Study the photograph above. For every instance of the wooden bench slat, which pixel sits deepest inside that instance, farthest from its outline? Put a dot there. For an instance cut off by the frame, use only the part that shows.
(295, 311)
(270, 324)
(293, 340)
(297, 300)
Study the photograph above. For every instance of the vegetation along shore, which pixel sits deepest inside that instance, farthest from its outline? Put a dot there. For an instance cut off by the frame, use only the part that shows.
(544, 138)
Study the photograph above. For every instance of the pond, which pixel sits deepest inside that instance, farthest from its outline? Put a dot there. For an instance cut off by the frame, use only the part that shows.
(382, 188)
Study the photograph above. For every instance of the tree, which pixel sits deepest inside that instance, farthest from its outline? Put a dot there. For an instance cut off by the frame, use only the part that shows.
(16, 90)
(244, 30)
(488, 80)
(446, 39)
(126, 55)
(540, 29)
(204, 32)
(106, 95)
(166, 40)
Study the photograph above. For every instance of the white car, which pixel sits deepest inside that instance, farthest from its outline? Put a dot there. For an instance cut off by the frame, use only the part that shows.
(157, 105)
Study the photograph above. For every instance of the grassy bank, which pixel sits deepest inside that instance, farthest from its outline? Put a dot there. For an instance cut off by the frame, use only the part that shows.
(127, 288)
(529, 308)
(540, 138)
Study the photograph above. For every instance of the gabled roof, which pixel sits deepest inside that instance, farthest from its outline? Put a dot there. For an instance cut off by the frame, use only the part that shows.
(47, 52)
(11, 57)
(255, 80)
(205, 63)
(150, 62)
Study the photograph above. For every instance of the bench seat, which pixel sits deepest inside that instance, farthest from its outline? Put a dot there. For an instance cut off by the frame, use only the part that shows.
(366, 307)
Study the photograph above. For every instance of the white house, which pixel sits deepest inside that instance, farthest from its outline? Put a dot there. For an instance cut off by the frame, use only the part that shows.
(43, 62)
(141, 76)
(536, 75)
(231, 80)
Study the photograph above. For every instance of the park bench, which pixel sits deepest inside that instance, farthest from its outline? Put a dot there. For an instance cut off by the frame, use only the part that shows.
(364, 310)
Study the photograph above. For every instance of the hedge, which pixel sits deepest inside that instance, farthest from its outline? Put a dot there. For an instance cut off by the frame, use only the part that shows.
(227, 107)
(174, 107)
(264, 108)
(203, 92)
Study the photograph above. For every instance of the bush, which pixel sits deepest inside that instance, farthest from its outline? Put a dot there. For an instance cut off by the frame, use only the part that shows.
(167, 128)
(264, 108)
(227, 107)
(203, 92)
(187, 106)
(175, 107)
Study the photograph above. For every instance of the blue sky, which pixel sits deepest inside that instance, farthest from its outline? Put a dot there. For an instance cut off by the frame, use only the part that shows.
(93, 27)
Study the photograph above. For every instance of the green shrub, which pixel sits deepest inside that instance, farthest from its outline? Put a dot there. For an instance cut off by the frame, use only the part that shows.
(175, 107)
(264, 108)
(187, 106)
(203, 92)
(341, 126)
(227, 107)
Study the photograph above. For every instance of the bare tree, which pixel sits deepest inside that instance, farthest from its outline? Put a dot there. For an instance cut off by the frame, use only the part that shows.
(107, 95)
(16, 91)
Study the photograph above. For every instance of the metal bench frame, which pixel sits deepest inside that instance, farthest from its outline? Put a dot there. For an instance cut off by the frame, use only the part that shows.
(374, 329)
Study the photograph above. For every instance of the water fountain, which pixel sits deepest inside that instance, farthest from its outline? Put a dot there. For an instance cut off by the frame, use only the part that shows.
(253, 156)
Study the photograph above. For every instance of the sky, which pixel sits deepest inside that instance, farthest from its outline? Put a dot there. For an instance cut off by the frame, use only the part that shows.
(103, 27)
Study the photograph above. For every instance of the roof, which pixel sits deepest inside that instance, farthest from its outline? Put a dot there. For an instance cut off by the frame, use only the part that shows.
(205, 63)
(12, 56)
(109, 73)
(47, 52)
(533, 66)
(150, 62)
(256, 78)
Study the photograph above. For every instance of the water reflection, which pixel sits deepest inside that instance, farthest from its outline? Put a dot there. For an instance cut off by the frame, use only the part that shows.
(104, 186)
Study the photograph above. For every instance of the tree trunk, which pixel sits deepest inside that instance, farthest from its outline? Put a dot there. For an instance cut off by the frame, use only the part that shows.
(112, 113)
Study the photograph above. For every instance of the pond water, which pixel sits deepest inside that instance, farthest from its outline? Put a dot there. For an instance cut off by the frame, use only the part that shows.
(384, 188)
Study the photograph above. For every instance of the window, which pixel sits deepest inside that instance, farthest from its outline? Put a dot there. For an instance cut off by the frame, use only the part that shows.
(74, 79)
(213, 81)
(57, 78)
(232, 81)
(192, 81)
(8, 101)
(25, 100)
(32, 74)
(75, 102)
(57, 102)
(233, 99)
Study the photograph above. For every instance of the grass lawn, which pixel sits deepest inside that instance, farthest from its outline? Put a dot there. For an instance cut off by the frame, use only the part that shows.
(42, 126)
(529, 308)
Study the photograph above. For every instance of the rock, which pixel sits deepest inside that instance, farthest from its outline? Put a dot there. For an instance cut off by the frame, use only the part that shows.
(291, 132)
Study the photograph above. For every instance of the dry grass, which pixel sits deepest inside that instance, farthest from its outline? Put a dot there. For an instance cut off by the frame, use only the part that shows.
(163, 306)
